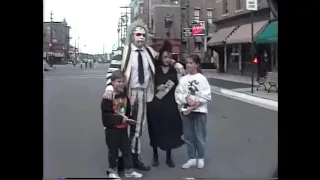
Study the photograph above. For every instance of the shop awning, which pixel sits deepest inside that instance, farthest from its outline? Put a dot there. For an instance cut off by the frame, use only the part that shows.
(269, 34)
(175, 50)
(243, 33)
(220, 36)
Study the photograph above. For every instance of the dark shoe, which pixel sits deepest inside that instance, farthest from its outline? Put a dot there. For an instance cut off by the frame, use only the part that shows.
(155, 161)
(120, 164)
(170, 163)
(137, 164)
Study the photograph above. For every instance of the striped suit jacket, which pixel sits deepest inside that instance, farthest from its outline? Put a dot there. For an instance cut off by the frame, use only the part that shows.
(125, 66)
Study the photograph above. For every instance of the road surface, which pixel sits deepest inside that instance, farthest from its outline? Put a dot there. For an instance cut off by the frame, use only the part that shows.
(242, 138)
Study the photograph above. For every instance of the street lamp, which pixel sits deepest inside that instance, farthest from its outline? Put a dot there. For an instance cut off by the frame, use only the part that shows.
(49, 58)
(174, 1)
(50, 48)
(119, 35)
(118, 30)
(63, 52)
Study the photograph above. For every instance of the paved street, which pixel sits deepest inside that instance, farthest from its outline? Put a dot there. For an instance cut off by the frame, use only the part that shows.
(242, 138)
(227, 84)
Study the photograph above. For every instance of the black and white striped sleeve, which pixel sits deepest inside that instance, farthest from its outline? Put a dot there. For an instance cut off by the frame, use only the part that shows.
(114, 66)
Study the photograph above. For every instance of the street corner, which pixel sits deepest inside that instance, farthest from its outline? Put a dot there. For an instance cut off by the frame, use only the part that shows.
(215, 89)
(265, 103)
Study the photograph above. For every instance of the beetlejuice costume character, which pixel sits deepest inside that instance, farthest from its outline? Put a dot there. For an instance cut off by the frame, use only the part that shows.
(138, 64)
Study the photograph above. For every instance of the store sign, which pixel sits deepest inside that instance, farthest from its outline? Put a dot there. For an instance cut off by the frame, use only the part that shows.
(252, 5)
(199, 28)
(187, 33)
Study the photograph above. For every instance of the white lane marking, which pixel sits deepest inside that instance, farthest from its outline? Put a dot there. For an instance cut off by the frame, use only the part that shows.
(250, 98)
(260, 104)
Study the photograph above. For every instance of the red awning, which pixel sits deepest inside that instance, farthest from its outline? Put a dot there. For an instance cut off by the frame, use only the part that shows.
(243, 33)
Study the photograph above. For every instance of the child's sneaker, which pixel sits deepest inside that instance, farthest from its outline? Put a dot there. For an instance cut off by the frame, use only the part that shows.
(190, 163)
(200, 163)
(114, 175)
(133, 174)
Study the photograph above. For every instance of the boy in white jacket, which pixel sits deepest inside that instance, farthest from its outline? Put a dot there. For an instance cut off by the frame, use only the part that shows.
(192, 95)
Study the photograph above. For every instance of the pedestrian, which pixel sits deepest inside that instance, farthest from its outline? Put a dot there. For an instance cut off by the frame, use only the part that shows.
(165, 129)
(138, 64)
(116, 119)
(192, 95)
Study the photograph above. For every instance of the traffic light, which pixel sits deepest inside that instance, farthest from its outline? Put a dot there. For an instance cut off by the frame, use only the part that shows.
(255, 61)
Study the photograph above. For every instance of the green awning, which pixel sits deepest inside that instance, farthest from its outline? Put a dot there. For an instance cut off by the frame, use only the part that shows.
(269, 34)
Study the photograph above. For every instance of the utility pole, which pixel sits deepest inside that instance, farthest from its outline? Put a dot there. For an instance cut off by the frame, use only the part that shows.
(121, 32)
(79, 48)
(51, 39)
(188, 24)
(126, 16)
(118, 30)
(75, 52)
(103, 50)
(124, 23)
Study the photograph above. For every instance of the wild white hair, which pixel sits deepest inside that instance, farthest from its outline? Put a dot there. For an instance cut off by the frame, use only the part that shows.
(132, 27)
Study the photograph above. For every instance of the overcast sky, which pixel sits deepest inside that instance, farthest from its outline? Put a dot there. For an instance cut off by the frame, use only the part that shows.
(94, 21)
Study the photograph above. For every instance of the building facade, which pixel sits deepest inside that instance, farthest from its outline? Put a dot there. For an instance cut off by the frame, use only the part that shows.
(59, 47)
(165, 23)
(139, 9)
(166, 19)
(232, 37)
(193, 11)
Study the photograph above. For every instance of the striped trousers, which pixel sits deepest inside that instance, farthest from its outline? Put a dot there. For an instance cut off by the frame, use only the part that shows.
(138, 110)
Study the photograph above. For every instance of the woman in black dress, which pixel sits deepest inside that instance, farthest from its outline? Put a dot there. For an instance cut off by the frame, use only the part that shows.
(164, 121)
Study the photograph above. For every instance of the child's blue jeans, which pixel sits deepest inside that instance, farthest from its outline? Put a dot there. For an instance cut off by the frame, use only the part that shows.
(195, 133)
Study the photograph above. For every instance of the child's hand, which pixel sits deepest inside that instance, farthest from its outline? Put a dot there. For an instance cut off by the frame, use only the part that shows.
(197, 104)
(190, 101)
(132, 122)
(125, 119)
(189, 110)
(129, 121)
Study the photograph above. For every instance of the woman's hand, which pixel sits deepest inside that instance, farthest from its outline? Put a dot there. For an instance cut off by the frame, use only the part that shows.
(162, 87)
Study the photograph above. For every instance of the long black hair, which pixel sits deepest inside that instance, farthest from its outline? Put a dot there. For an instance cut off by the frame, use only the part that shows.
(197, 60)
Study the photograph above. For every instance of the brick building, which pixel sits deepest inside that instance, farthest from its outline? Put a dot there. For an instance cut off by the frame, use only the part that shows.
(197, 10)
(232, 38)
(166, 18)
(60, 40)
(163, 19)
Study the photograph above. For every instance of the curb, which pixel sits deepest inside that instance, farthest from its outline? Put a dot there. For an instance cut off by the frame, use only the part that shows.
(265, 103)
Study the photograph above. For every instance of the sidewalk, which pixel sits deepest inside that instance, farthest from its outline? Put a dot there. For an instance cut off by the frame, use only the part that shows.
(239, 87)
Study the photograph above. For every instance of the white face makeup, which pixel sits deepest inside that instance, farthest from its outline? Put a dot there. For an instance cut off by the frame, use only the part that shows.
(139, 35)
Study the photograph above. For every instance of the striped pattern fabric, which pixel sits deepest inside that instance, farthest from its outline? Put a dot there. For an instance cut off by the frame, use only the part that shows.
(114, 66)
(139, 112)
